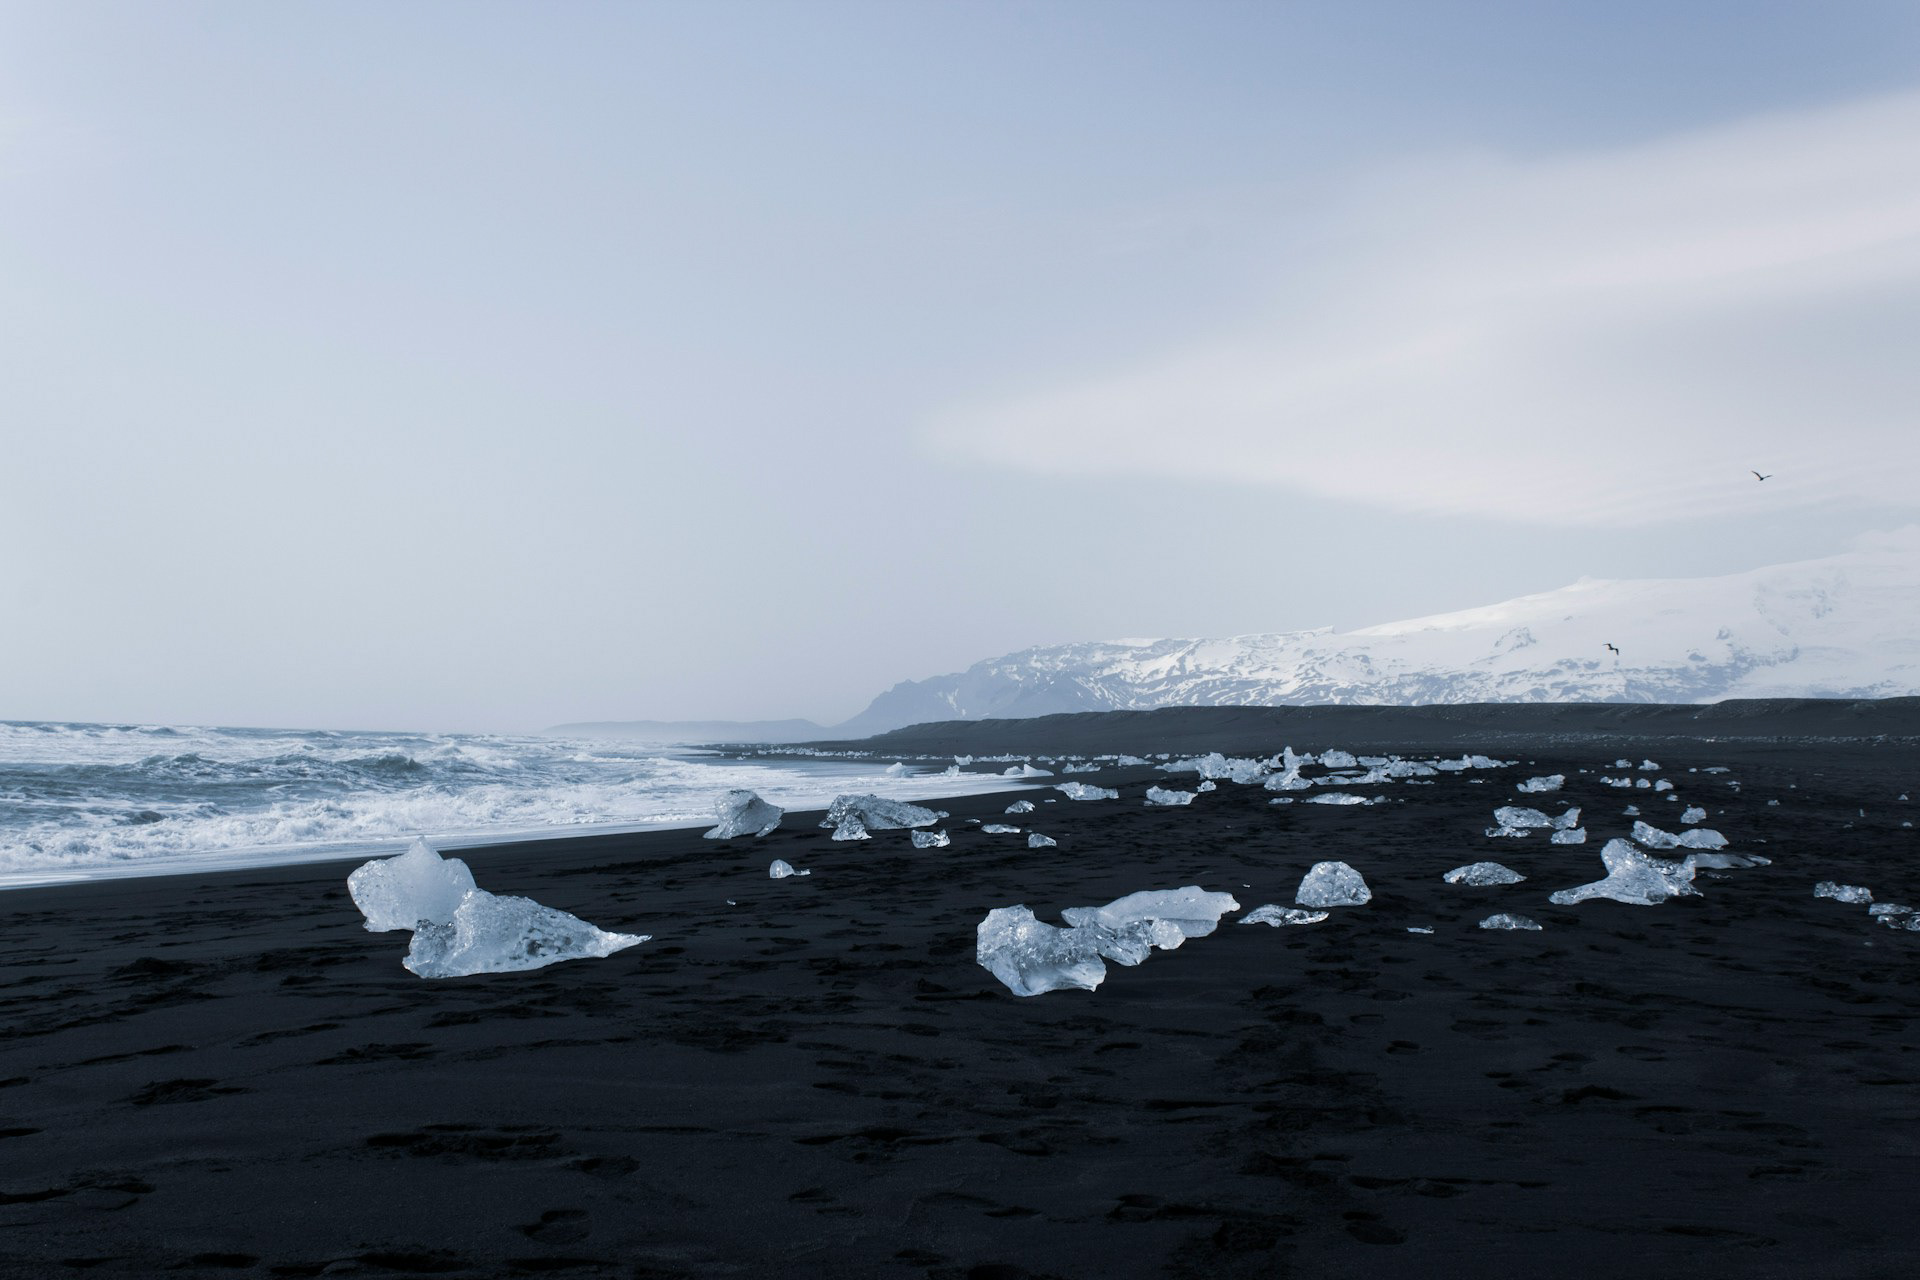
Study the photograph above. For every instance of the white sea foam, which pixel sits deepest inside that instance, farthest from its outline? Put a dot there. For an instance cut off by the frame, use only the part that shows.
(81, 802)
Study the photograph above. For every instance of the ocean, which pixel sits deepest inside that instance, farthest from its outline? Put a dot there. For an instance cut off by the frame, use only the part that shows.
(84, 801)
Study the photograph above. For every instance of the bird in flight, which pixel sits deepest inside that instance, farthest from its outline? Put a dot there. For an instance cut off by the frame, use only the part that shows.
(1758, 476)
(1616, 652)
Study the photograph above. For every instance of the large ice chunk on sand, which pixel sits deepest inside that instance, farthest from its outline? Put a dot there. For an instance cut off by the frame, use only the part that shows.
(1085, 791)
(1853, 893)
(1479, 874)
(877, 813)
(399, 893)
(1699, 838)
(494, 934)
(1191, 909)
(1160, 795)
(1633, 877)
(1519, 819)
(1332, 884)
(1508, 920)
(1032, 957)
(780, 869)
(742, 813)
(1276, 916)
(1552, 782)
(931, 840)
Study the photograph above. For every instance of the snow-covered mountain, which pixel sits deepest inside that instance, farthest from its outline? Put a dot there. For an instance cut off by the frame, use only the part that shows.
(1845, 626)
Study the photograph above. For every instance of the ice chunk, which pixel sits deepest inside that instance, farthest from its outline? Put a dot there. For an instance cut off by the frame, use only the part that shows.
(1693, 814)
(1552, 782)
(1663, 785)
(1037, 841)
(1340, 797)
(1623, 764)
(1889, 909)
(1032, 957)
(1025, 771)
(1000, 829)
(951, 771)
(930, 840)
(1160, 795)
(1570, 835)
(401, 892)
(876, 813)
(1508, 920)
(494, 934)
(1910, 923)
(1483, 873)
(1567, 820)
(1419, 928)
(1278, 916)
(1521, 819)
(1699, 838)
(1631, 811)
(1086, 791)
(1842, 892)
(1020, 806)
(851, 828)
(897, 770)
(1337, 760)
(1192, 910)
(742, 813)
(1725, 861)
(1648, 766)
(780, 869)
(1633, 877)
(1332, 884)
(1208, 784)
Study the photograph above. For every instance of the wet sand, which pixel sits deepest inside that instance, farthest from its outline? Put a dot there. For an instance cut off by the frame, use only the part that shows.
(226, 1075)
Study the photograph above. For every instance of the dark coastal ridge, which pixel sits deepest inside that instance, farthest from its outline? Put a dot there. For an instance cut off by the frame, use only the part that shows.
(225, 1075)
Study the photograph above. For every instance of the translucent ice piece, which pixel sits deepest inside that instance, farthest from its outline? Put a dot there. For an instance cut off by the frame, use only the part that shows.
(1339, 797)
(1483, 873)
(1519, 819)
(1160, 795)
(1723, 861)
(1567, 820)
(930, 840)
(1193, 911)
(1571, 835)
(1278, 916)
(1086, 791)
(1337, 760)
(401, 892)
(1699, 838)
(1032, 957)
(877, 813)
(1633, 877)
(1552, 782)
(1020, 806)
(780, 869)
(1000, 829)
(897, 770)
(1508, 920)
(1842, 892)
(742, 813)
(1037, 841)
(1693, 814)
(1025, 771)
(494, 934)
(851, 828)
(1332, 884)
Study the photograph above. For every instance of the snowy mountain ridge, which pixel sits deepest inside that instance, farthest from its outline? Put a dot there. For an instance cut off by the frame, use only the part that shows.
(1843, 626)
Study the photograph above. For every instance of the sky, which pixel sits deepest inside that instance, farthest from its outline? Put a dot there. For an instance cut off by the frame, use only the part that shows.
(492, 366)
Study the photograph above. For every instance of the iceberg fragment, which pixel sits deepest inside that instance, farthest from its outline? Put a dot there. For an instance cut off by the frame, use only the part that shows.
(1037, 841)
(1889, 909)
(1277, 916)
(1025, 771)
(780, 869)
(1552, 782)
(1032, 957)
(1570, 835)
(1340, 797)
(1086, 791)
(1508, 920)
(896, 770)
(743, 813)
(930, 840)
(1693, 814)
(1699, 838)
(1842, 892)
(1338, 760)
(1020, 806)
(1193, 911)
(400, 892)
(1160, 795)
(877, 813)
(1520, 819)
(1332, 884)
(851, 828)
(1000, 829)
(1633, 877)
(1483, 873)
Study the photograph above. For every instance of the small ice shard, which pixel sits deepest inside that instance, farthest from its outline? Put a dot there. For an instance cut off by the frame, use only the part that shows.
(897, 770)
(1693, 814)
(1728, 861)
(1508, 920)
(495, 934)
(780, 869)
(1025, 771)
(1648, 766)
(1521, 819)
(1207, 785)
(1623, 764)
(1567, 820)
(1483, 873)
(1332, 884)
(1631, 811)
(1889, 909)
(1281, 800)
(401, 892)
(951, 771)
(743, 813)
(1616, 782)
(1000, 829)
(1339, 797)
(877, 813)
(1032, 957)
(1570, 835)
(1910, 923)
(1633, 877)
(1663, 785)
(1419, 928)
(1160, 795)
(1699, 838)
(1037, 841)
(1278, 916)
(1643, 784)
(851, 828)
(1086, 791)
(930, 840)
(1842, 892)
(1020, 806)
(1552, 782)
(1337, 760)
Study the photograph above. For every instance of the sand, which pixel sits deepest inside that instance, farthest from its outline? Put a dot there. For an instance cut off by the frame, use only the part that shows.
(226, 1075)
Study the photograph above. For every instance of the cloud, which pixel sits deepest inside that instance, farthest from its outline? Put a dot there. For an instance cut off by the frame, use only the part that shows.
(1610, 338)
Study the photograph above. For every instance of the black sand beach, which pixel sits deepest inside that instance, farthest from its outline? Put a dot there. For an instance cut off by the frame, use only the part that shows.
(226, 1075)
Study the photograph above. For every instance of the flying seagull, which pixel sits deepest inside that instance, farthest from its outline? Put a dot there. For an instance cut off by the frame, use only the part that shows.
(1758, 476)
(1616, 652)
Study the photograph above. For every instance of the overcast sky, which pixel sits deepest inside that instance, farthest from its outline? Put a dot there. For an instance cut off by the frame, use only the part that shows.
(494, 365)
